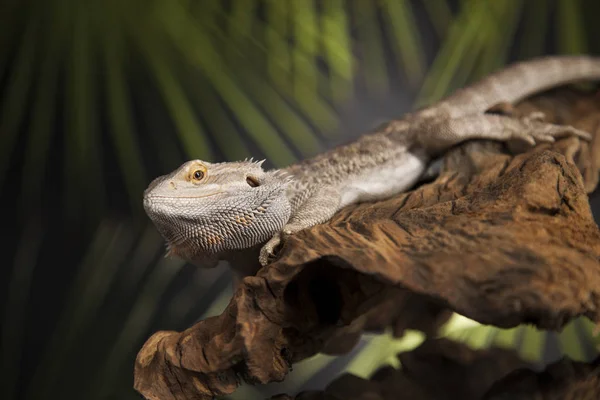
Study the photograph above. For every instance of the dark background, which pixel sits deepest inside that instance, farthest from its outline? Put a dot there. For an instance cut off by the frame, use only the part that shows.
(99, 97)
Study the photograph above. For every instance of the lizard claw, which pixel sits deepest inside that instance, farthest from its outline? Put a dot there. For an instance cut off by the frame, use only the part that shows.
(268, 250)
(267, 253)
(538, 131)
(536, 116)
(502, 108)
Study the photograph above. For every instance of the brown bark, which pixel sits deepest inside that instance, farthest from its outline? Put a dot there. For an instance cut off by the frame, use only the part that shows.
(441, 369)
(563, 380)
(501, 237)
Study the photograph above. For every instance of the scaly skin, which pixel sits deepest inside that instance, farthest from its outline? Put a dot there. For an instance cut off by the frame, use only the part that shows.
(208, 211)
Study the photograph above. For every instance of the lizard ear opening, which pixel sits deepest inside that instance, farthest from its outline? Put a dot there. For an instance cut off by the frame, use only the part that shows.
(252, 181)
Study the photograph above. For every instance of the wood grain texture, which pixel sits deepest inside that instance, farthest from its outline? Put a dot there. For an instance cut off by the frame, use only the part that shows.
(501, 236)
(562, 380)
(441, 369)
(437, 369)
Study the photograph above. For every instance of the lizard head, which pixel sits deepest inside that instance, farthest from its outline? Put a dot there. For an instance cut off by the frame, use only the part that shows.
(203, 209)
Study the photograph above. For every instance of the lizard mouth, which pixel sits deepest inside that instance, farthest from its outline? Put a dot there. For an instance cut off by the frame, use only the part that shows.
(154, 196)
(152, 199)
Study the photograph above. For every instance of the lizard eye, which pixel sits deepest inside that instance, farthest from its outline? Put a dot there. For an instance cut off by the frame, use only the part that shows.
(198, 174)
(253, 182)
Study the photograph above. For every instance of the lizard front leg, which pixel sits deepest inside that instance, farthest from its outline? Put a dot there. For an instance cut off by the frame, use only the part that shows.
(504, 108)
(509, 110)
(318, 208)
(441, 135)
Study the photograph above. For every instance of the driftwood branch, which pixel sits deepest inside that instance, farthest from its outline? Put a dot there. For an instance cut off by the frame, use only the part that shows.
(501, 236)
(441, 369)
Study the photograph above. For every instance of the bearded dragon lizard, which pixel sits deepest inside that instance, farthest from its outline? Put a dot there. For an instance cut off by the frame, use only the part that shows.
(209, 211)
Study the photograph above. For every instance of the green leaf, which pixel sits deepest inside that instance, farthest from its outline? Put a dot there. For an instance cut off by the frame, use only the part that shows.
(571, 343)
(226, 135)
(12, 22)
(507, 338)
(532, 344)
(279, 60)
(459, 47)
(83, 161)
(189, 130)
(408, 41)
(122, 129)
(535, 26)
(369, 38)
(136, 324)
(16, 312)
(440, 14)
(107, 249)
(286, 84)
(336, 43)
(480, 337)
(241, 21)
(15, 98)
(503, 20)
(382, 350)
(571, 36)
(218, 73)
(42, 124)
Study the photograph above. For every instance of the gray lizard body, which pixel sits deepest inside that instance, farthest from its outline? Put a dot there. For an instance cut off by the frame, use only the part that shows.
(208, 211)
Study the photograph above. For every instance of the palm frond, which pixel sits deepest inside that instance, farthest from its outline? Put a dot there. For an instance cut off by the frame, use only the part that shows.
(10, 30)
(336, 44)
(535, 28)
(407, 37)
(83, 143)
(76, 311)
(40, 129)
(122, 126)
(527, 340)
(13, 326)
(89, 83)
(204, 56)
(111, 369)
(369, 44)
(457, 52)
(440, 15)
(14, 101)
(571, 36)
(383, 350)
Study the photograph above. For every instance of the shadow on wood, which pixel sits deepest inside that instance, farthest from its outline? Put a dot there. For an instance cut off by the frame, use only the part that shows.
(501, 236)
(441, 369)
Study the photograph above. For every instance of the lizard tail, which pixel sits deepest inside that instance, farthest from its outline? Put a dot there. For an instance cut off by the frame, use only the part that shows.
(520, 80)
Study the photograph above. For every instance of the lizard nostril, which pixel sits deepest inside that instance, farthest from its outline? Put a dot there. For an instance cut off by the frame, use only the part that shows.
(173, 185)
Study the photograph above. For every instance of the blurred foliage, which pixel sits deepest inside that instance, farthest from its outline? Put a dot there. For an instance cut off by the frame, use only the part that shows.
(98, 97)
